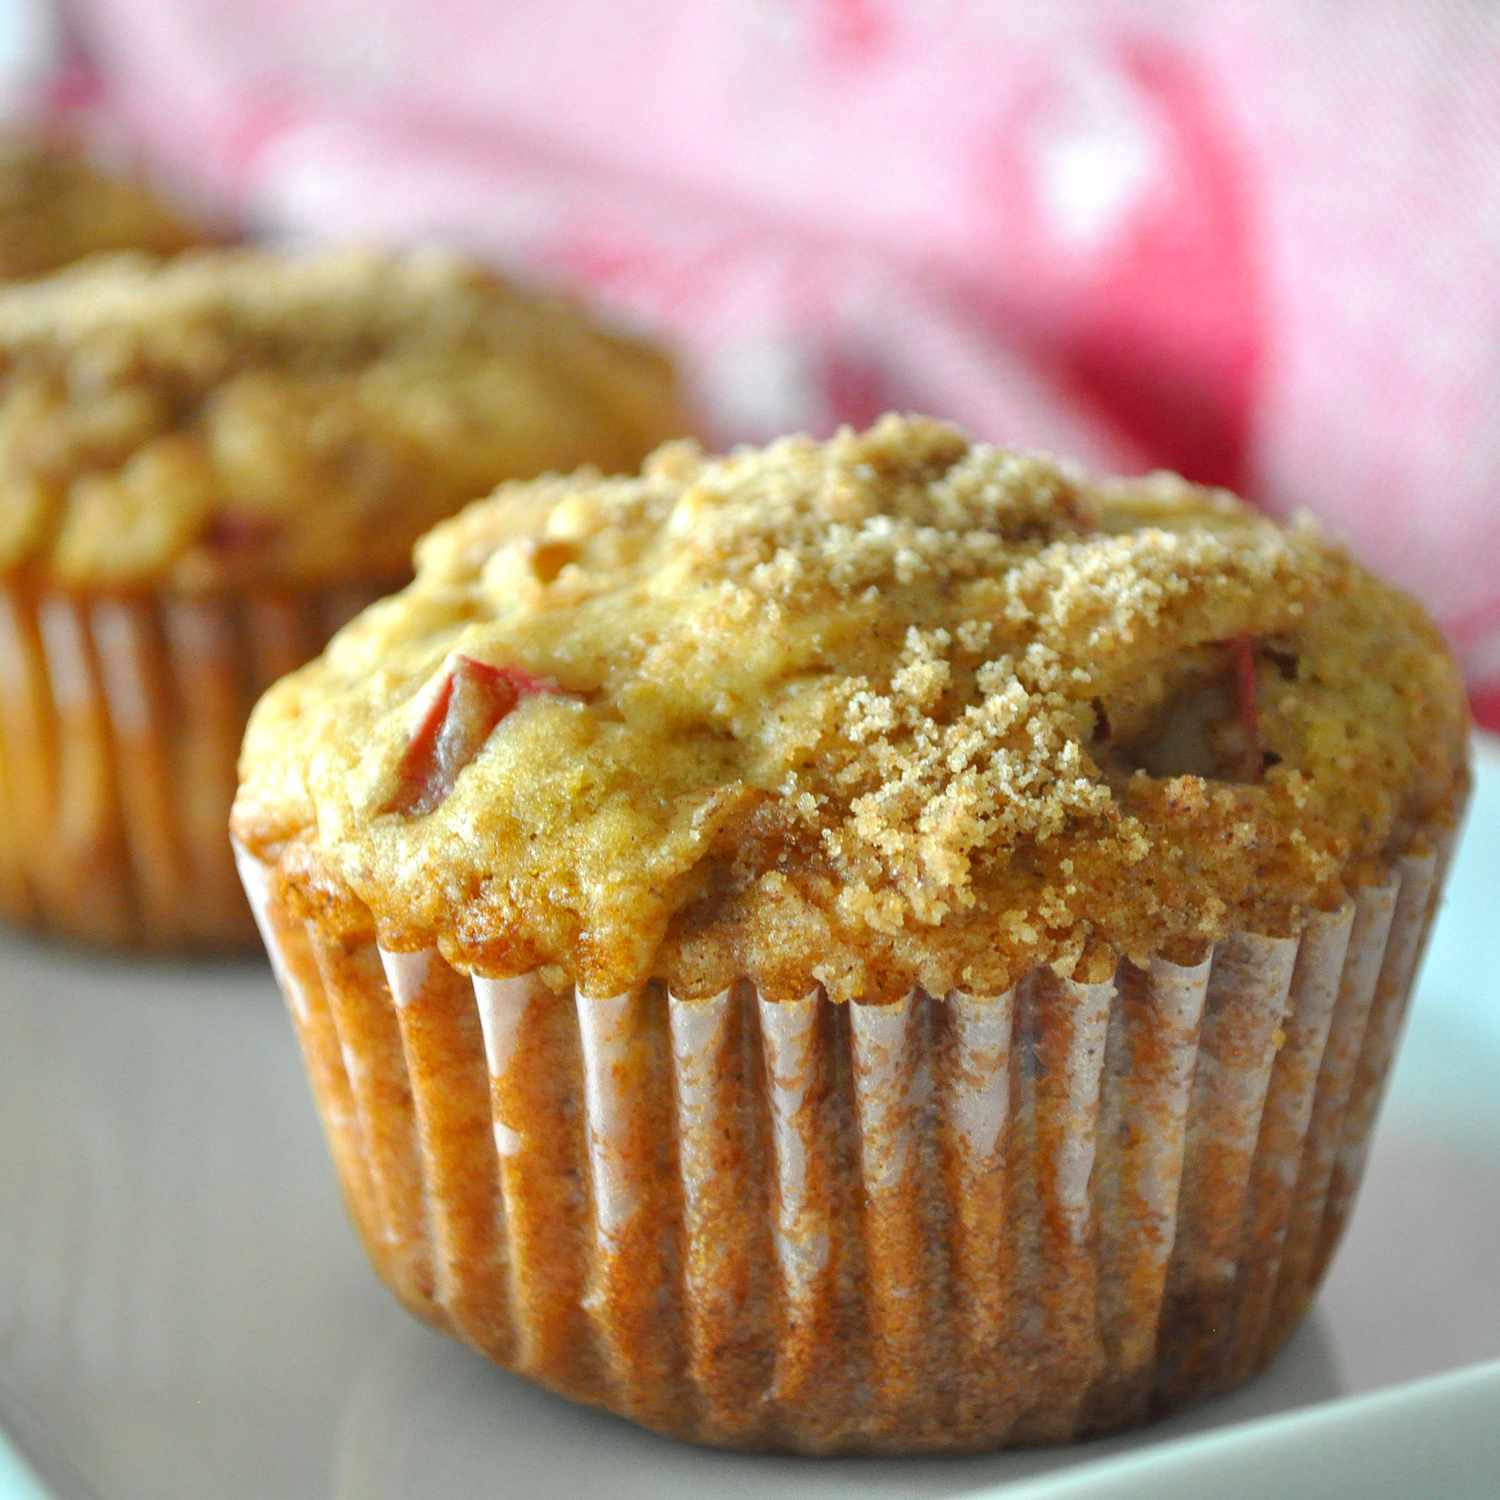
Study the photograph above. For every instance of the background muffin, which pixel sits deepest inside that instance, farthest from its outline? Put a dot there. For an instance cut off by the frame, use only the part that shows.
(884, 944)
(206, 466)
(57, 205)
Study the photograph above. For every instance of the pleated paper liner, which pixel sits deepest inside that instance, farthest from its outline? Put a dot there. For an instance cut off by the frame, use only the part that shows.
(121, 718)
(948, 1223)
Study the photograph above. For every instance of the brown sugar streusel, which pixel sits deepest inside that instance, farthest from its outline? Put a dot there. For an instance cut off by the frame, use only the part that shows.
(889, 711)
(238, 416)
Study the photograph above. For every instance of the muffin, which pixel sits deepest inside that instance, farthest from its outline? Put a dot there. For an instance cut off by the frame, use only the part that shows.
(206, 466)
(883, 945)
(57, 206)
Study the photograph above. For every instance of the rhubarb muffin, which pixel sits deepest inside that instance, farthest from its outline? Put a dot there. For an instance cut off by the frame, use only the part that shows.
(207, 465)
(58, 205)
(882, 945)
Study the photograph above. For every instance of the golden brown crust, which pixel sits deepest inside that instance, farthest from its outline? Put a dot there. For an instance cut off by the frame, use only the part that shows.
(235, 417)
(895, 710)
(57, 206)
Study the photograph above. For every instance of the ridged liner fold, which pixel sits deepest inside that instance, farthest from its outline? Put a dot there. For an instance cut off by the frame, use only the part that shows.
(949, 1222)
(121, 718)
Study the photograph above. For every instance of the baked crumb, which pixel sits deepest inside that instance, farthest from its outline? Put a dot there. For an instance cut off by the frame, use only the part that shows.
(893, 710)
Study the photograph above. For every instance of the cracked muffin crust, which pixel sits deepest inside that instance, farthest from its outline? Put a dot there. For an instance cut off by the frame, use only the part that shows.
(238, 416)
(896, 710)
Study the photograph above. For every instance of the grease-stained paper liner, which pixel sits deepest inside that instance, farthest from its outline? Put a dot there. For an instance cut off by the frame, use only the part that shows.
(953, 1222)
(121, 718)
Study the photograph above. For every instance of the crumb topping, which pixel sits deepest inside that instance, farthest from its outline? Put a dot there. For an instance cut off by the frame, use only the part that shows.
(892, 710)
(56, 206)
(235, 416)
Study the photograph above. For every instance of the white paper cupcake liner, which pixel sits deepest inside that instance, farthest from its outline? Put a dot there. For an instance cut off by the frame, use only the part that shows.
(120, 726)
(944, 1223)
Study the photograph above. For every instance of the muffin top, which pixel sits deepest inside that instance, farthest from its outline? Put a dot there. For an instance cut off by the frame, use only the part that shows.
(892, 710)
(242, 418)
(57, 205)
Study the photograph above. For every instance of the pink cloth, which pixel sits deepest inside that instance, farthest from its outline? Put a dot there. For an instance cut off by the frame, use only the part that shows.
(1257, 242)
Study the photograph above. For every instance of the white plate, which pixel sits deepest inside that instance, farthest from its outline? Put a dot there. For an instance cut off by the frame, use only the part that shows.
(184, 1311)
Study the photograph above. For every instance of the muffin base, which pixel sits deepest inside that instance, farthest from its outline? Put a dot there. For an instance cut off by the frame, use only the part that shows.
(120, 725)
(950, 1223)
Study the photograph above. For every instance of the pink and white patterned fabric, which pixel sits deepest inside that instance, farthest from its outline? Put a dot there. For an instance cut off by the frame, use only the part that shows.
(1256, 242)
